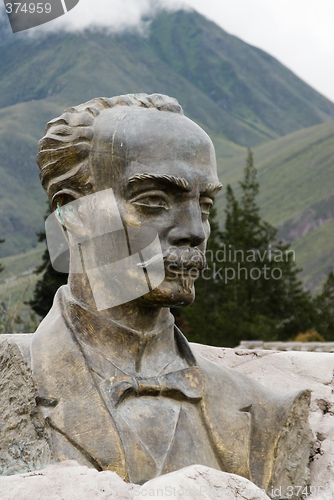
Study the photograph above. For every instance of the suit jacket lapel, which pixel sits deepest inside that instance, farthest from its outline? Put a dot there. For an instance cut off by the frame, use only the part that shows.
(62, 379)
(226, 411)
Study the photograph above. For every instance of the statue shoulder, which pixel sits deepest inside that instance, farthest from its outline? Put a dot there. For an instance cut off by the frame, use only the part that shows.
(280, 439)
(221, 379)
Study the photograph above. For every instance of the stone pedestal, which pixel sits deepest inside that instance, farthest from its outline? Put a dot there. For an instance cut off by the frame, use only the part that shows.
(24, 442)
(289, 370)
(69, 481)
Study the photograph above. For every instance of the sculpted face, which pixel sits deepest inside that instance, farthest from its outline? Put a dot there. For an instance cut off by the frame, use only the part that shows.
(162, 169)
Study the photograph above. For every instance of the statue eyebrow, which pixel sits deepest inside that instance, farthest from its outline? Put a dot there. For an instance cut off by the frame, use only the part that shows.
(212, 187)
(178, 182)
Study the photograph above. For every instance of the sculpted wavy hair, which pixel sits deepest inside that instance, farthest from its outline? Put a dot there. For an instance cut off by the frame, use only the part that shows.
(64, 153)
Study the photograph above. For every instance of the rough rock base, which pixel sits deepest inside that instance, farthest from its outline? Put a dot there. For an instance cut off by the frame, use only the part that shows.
(24, 443)
(69, 481)
(285, 371)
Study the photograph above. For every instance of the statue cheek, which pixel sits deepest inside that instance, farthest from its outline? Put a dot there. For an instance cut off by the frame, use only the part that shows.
(129, 214)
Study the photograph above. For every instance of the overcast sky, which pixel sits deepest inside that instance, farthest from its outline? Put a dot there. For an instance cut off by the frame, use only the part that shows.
(299, 33)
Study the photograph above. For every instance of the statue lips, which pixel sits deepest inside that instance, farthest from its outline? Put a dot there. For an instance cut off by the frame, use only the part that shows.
(184, 261)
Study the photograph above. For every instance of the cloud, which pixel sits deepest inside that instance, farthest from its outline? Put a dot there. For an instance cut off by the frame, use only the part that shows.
(115, 15)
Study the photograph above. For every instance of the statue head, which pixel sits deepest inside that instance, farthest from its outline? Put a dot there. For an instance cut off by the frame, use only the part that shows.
(160, 167)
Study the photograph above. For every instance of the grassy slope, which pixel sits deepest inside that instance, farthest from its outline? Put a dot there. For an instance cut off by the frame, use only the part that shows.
(21, 264)
(314, 253)
(12, 296)
(22, 200)
(17, 283)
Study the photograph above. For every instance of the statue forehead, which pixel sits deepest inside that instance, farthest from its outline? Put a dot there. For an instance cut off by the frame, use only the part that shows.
(129, 141)
(138, 127)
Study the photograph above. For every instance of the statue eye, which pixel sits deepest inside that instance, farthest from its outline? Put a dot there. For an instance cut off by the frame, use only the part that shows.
(206, 205)
(154, 202)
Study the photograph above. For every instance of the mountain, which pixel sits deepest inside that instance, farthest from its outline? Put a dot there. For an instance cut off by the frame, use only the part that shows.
(239, 94)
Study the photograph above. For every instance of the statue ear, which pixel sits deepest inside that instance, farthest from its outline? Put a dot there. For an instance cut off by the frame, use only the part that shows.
(63, 197)
(64, 230)
(65, 205)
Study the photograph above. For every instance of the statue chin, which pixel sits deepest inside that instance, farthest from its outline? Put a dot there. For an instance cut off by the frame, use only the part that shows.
(171, 293)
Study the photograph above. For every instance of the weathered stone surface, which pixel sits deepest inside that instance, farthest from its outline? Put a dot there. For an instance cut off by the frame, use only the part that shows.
(285, 371)
(24, 442)
(69, 481)
(199, 482)
(66, 481)
(292, 450)
(22, 340)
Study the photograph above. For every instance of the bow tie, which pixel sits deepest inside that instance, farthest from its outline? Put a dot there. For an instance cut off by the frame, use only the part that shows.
(182, 384)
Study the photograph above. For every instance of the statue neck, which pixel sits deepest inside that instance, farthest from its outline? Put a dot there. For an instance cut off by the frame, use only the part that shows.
(134, 315)
(141, 339)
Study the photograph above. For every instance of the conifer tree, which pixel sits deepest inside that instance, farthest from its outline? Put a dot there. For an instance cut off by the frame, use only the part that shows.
(268, 296)
(324, 305)
(1, 266)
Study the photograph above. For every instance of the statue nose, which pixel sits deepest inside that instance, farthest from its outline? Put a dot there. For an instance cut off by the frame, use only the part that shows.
(188, 228)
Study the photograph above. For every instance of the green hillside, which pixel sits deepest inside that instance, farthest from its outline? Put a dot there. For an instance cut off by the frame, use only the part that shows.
(17, 283)
(238, 93)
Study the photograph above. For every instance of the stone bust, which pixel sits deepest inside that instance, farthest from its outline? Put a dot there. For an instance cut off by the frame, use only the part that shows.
(117, 382)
